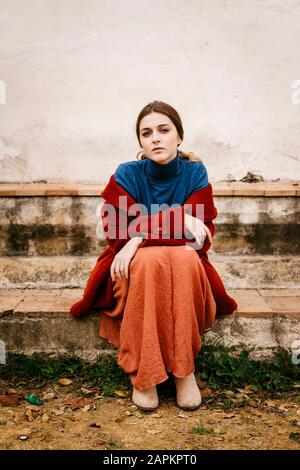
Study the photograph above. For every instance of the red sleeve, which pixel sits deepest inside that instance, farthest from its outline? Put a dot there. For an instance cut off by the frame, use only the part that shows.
(115, 227)
(180, 241)
(169, 223)
(167, 226)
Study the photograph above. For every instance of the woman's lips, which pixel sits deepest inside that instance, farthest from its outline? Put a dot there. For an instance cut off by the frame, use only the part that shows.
(157, 150)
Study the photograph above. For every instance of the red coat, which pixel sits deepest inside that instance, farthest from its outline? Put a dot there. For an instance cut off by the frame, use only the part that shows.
(98, 292)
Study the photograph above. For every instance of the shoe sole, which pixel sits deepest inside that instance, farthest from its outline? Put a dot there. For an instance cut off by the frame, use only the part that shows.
(189, 408)
(146, 409)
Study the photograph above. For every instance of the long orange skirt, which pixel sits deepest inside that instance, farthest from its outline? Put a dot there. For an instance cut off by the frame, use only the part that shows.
(161, 310)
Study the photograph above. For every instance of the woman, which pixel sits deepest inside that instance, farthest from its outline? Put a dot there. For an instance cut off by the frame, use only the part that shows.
(155, 288)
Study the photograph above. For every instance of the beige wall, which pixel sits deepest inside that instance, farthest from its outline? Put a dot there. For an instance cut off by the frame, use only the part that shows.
(77, 73)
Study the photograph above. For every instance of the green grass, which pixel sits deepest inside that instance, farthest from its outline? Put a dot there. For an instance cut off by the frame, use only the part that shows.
(103, 373)
(199, 429)
(224, 369)
(219, 366)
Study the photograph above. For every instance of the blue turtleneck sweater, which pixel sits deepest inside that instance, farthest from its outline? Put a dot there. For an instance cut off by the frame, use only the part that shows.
(149, 182)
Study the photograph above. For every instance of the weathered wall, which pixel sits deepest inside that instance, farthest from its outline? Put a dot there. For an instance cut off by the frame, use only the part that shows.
(60, 226)
(77, 73)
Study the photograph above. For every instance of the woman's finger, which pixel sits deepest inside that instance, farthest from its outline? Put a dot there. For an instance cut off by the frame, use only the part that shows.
(126, 269)
(208, 232)
(112, 269)
(121, 271)
(117, 269)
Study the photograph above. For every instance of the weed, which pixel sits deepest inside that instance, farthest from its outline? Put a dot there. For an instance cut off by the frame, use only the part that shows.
(199, 429)
(222, 368)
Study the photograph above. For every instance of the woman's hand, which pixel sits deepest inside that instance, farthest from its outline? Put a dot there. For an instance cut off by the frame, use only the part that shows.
(198, 229)
(119, 266)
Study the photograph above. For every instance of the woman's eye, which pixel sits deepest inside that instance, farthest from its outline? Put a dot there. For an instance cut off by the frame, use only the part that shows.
(147, 133)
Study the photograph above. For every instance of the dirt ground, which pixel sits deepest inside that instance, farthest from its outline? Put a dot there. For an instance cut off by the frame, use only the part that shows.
(81, 418)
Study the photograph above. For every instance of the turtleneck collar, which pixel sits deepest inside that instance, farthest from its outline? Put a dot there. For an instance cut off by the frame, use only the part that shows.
(164, 171)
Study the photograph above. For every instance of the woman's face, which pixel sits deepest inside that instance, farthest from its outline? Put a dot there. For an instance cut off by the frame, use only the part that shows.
(157, 130)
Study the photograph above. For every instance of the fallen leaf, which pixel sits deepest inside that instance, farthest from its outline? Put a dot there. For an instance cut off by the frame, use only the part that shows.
(86, 408)
(120, 419)
(217, 430)
(206, 391)
(60, 411)
(98, 397)
(134, 408)
(77, 403)
(95, 425)
(282, 408)
(29, 414)
(87, 391)
(121, 393)
(200, 382)
(65, 381)
(9, 400)
(253, 403)
(247, 389)
(270, 404)
(45, 418)
(49, 395)
(100, 442)
(153, 431)
(156, 415)
(181, 415)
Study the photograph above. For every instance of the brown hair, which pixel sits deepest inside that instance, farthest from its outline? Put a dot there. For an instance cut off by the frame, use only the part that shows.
(164, 108)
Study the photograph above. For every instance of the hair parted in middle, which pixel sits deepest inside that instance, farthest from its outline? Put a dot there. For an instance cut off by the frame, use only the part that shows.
(167, 110)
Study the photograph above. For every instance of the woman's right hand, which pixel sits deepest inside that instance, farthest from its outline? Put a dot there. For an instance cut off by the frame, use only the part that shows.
(120, 264)
(198, 229)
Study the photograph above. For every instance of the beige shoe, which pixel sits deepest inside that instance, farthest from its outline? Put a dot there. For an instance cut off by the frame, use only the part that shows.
(146, 400)
(188, 395)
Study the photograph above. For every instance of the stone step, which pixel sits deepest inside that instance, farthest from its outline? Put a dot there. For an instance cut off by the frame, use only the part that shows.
(61, 220)
(38, 320)
(247, 271)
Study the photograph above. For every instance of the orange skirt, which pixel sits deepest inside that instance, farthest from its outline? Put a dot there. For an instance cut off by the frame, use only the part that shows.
(160, 313)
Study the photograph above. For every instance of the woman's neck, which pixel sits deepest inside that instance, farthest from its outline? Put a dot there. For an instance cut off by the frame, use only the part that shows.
(163, 171)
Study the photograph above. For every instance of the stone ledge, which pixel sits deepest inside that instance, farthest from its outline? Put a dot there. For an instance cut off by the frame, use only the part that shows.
(281, 188)
(35, 320)
(37, 303)
(68, 271)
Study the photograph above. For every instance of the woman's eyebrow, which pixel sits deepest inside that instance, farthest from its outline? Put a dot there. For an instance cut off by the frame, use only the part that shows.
(160, 125)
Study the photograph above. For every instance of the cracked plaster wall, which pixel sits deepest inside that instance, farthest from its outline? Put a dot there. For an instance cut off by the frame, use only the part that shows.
(77, 73)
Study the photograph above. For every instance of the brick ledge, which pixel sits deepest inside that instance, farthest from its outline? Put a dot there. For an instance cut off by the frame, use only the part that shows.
(255, 303)
(269, 189)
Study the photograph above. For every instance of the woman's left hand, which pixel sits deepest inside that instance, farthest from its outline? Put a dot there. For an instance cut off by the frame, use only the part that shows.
(198, 229)
(120, 264)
